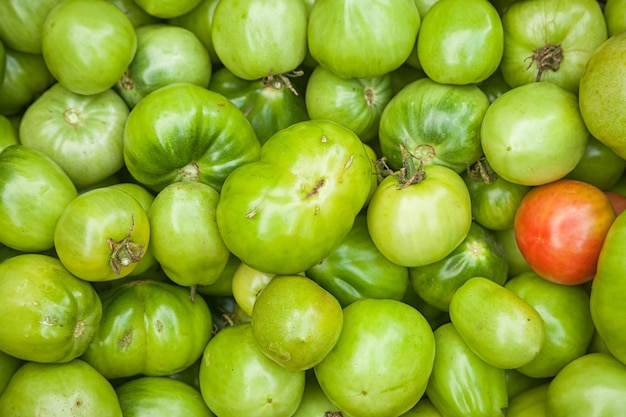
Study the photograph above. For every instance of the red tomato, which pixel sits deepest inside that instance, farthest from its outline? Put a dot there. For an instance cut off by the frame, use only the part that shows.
(617, 200)
(560, 228)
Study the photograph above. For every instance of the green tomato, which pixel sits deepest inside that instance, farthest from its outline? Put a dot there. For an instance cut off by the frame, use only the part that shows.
(22, 23)
(247, 284)
(547, 40)
(87, 44)
(102, 234)
(237, 379)
(254, 38)
(136, 15)
(461, 383)
(534, 134)
(599, 166)
(314, 402)
(166, 54)
(223, 286)
(566, 317)
(376, 37)
(186, 132)
(367, 373)
(517, 262)
(184, 237)
(460, 41)
(161, 396)
(150, 328)
(26, 176)
(500, 327)
(82, 133)
(423, 408)
(530, 403)
(49, 315)
(420, 223)
(480, 254)
(8, 134)
(166, 9)
(517, 382)
(615, 16)
(592, 385)
(287, 211)
(494, 86)
(8, 365)
(438, 123)
(72, 388)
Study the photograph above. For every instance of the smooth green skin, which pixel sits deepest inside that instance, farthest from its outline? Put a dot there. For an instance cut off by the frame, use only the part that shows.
(88, 44)
(295, 322)
(534, 134)
(59, 390)
(22, 22)
(49, 315)
(137, 16)
(517, 262)
(608, 290)
(367, 373)
(82, 133)
(254, 38)
(530, 403)
(314, 402)
(8, 365)
(376, 38)
(26, 76)
(566, 317)
(480, 254)
(166, 9)
(223, 286)
(460, 41)
(356, 103)
(153, 395)
(494, 200)
(600, 166)
(8, 134)
(289, 210)
(151, 328)
(577, 26)
(590, 386)
(247, 284)
(88, 221)
(437, 123)
(356, 269)
(28, 175)
(185, 238)
(517, 382)
(269, 105)
(183, 131)
(499, 326)
(421, 223)
(423, 408)
(615, 16)
(462, 384)
(237, 379)
(199, 20)
(166, 54)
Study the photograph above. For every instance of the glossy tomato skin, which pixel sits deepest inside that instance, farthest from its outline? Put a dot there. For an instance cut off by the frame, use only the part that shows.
(530, 403)
(560, 228)
(21, 24)
(183, 131)
(599, 166)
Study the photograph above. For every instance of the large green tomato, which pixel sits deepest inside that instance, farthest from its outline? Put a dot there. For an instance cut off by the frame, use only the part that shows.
(460, 41)
(185, 132)
(255, 38)
(367, 374)
(27, 175)
(438, 123)
(548, 40)
(48, 315)
(82, 133)
(22, 23)
(58, 390)
(88, 44)
(237, 379)
(151, 328)
(534, 134)
(289, 210)
(362, 39)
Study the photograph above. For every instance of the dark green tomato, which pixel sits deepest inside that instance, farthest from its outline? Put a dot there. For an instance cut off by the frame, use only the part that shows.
(73, 388)
(189, 375)
(479, 254)
(357, 269)
(600, 166)
(8, 134)
(270, 104)
(27, 175)
(494, 86)
(403, 76)
(438, 123)
(25, 77)
(22, 22)
(517, 382)
(223, 286)
(8, 365)
(166, 54)
(462, 384)
(151, 328)
(153, 395)
(494, 199)
(186, 132)
(435, 316)
(530, 403)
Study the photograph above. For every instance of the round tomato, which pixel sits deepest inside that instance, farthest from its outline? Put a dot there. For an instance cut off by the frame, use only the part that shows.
(615, 16)
(534, 134)
(560, 228)
(22, 23)
(94, 60)
(247, 284)
(600, 166)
